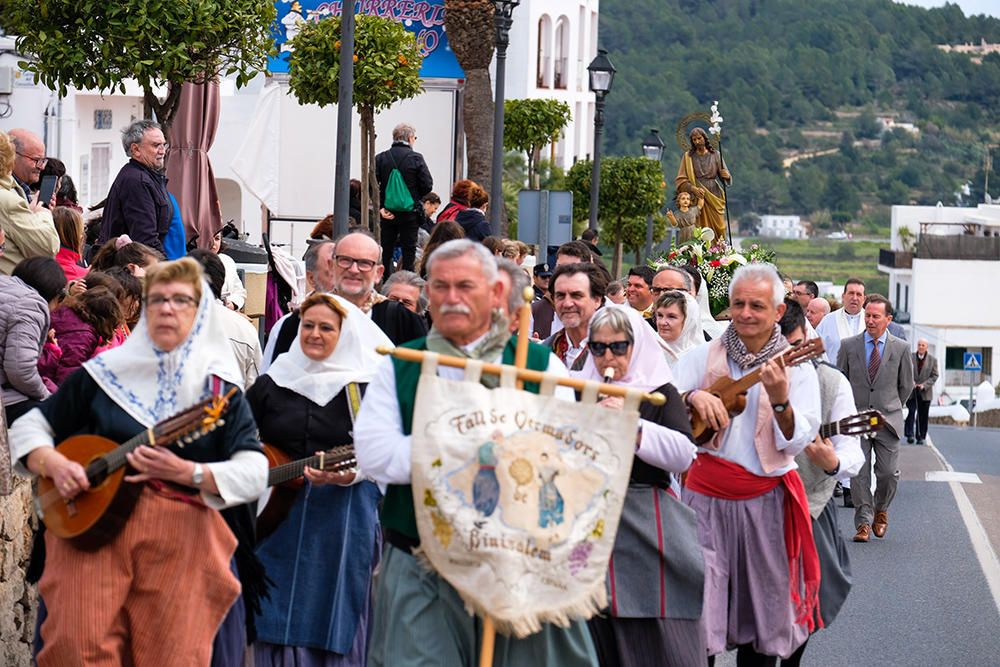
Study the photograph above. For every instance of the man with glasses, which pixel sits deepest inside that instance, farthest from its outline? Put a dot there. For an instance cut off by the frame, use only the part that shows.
(27, 225)
(138, 203)
(29, 151)
(352, 267)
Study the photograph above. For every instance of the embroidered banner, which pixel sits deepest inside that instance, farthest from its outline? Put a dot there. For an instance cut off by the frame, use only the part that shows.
(518, 497)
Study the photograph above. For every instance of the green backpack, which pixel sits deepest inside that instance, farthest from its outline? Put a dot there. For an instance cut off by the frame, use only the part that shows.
(397, 196)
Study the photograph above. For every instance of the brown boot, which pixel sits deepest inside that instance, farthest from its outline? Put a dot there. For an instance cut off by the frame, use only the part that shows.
(864, 530)
(880, 524)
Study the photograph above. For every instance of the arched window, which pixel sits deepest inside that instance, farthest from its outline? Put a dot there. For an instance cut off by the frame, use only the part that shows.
(561, 64)
(544, 77)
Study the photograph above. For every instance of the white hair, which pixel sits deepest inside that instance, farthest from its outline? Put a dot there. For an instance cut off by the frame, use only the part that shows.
(760, 272)
(518, 282)
(461, 247)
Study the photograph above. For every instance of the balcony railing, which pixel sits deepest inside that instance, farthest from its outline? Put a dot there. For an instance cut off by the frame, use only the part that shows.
(931, 246)
(895, 259)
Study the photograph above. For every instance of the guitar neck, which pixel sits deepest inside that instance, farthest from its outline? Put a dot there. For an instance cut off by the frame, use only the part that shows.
(115, 459)
(333, 459)
(829, 430)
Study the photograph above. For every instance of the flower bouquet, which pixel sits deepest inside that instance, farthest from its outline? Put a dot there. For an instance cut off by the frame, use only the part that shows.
(715, 260)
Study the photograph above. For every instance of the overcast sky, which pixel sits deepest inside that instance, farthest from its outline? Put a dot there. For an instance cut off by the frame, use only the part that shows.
(970, 7)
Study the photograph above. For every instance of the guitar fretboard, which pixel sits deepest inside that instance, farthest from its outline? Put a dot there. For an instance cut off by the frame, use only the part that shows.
(335, 459)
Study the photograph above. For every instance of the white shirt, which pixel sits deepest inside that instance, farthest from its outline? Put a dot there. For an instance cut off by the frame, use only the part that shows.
(848, 447)
(665, 448)
(233, 290)
(241, 479)
(738, 439)
(244, 340)
(383, 452)
(574, 351)
(829, 330)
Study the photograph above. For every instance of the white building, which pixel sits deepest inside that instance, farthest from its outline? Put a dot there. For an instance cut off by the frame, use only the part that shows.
(782, 227)
(943, 265)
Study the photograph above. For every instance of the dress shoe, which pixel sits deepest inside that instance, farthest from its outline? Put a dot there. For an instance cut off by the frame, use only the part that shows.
(864, 530)
(909, 440)
(838, 490)
(880, 524)
(921, 442)
(847, 498)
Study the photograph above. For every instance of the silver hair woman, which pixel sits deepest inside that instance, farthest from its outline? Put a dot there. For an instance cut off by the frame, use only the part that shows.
(656, 591)
(678, 323)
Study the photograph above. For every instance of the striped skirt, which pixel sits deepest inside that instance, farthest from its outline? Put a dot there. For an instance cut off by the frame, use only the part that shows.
(154, 595)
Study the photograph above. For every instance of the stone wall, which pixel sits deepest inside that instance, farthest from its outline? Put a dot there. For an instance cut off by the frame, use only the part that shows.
(17, 599)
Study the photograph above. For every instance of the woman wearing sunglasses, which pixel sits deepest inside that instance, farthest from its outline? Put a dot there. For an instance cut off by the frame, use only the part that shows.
(656, 575)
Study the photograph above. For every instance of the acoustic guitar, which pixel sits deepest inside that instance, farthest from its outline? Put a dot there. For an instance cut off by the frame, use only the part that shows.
(287, 476)
(733, 393)
(93, 517)
(864, 424)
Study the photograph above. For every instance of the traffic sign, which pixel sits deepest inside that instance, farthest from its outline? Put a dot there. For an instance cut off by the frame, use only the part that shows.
(973, 361)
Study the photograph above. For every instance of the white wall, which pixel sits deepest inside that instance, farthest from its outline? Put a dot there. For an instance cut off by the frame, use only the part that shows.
(955, 293)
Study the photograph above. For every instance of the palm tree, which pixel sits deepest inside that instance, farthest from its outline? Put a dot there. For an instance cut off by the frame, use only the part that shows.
(469, 24)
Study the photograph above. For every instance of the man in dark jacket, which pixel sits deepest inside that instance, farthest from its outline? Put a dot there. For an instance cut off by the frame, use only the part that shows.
(400, 227)
(138, 203)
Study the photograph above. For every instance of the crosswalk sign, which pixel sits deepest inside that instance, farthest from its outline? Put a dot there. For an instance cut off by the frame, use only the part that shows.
(973, 361)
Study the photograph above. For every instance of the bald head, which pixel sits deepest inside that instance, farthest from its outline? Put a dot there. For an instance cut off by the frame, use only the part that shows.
(817, 310)
(30, 155)
(922, 346)
(356, 267)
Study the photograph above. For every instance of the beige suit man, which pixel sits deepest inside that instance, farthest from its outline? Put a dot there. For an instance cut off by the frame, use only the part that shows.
(925, 374)
(881, 379)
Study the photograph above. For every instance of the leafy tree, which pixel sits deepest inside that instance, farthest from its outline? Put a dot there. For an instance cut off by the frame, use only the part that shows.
(98, 45)
(631, 190)
(532, 124)
(866, 126)
(387, 64)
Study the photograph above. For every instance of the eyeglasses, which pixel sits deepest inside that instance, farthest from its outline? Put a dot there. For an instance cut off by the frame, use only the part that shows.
(619, 348)
(178, 301)
(40, 162)
(346, 262)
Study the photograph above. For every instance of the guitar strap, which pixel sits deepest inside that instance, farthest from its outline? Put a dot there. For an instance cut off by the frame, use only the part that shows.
(353, 400)
(216, 385)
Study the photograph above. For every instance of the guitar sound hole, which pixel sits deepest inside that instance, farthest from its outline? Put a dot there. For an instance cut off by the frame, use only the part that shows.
(97, 472)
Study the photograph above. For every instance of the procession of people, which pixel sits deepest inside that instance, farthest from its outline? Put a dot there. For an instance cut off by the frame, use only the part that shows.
(272, 519)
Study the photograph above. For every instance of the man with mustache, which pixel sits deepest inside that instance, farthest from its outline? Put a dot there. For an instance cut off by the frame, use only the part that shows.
(465, 293)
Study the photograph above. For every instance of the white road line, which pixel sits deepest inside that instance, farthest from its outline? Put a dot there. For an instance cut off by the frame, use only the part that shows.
(981, 544)
(949, 476)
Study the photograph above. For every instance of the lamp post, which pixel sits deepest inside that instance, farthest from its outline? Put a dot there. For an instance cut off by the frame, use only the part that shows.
(652, 148)
(502, 12)
(602, 74)
(345, 105)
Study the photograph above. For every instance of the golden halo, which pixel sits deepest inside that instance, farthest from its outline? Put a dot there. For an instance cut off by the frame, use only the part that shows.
(682, 130)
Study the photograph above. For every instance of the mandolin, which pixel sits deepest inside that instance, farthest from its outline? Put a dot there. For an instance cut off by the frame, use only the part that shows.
(287, 475)
(93, 517)
(733, 393)
(864, 424)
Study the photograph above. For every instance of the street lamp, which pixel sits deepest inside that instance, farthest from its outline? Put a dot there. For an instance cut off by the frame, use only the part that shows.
(652, 148)
(602, 74)
(502, 20)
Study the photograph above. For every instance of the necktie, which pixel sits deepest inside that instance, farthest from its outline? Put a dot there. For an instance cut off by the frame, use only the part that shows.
(873, 362)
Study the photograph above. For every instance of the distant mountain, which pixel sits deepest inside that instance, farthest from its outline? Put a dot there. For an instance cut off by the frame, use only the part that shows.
(797, 77)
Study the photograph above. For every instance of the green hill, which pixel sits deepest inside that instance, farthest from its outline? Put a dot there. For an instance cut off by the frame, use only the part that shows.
(798, 77)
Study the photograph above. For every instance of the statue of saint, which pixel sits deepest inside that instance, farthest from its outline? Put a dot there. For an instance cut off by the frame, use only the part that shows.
(701, 172)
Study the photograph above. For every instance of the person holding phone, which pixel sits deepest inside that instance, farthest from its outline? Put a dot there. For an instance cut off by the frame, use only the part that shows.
(27, 225)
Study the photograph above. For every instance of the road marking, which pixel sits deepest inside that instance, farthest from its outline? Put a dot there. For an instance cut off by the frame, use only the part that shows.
(980, 540)
(949, 476)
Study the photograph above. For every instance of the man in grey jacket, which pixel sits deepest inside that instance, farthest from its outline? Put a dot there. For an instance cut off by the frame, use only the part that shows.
(925, 374)
(880, 370)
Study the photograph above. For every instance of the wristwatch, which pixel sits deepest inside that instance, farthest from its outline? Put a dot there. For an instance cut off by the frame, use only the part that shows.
(779, 407)
(198, 476)
(833, 472)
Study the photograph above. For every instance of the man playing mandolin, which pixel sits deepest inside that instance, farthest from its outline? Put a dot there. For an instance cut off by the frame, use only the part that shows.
(151, 580)
(761, 567)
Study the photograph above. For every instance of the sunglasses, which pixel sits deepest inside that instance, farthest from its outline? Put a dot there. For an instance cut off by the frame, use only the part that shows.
(619, 348)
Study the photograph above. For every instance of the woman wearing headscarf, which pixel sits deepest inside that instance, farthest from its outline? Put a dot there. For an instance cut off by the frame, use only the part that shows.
(656, 575)
(160, 588)
(678, 323)
(321, 556)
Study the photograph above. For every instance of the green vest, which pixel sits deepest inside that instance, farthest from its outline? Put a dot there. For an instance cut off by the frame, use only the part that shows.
(397, 507)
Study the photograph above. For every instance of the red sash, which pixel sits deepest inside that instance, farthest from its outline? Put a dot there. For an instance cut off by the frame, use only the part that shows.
(714, 476)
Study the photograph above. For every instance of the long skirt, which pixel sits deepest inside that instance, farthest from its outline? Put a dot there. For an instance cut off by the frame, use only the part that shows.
(747, 589)
(640, 642)
(834, 564)
(420, 621)
(155, 594)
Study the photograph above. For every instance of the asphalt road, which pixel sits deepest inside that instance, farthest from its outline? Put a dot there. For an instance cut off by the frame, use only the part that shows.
(920, 596)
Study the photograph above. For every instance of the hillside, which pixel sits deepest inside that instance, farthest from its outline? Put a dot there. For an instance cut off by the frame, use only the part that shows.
(800, 85)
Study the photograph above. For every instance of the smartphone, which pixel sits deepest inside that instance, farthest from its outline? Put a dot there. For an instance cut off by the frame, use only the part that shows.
(46, 189)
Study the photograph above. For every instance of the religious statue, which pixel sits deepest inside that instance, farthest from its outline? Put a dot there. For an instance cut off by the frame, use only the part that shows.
(687, 215)
(702, 171)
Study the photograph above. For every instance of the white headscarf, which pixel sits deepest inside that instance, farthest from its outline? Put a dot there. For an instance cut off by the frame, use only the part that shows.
(692, 334)
(152, 385)
(354, 359)
(709, 323)
(647, 367)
